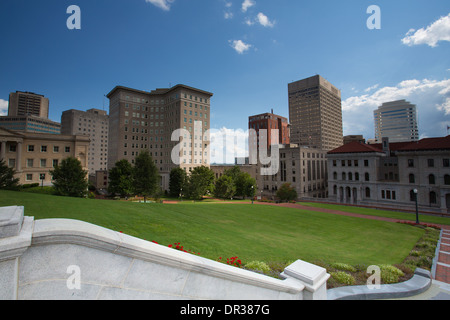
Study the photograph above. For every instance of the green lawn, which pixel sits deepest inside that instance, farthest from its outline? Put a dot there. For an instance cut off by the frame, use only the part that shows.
(251, 232)
(426, 218)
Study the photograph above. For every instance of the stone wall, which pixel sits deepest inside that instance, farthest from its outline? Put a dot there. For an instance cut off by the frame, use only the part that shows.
(68, 259)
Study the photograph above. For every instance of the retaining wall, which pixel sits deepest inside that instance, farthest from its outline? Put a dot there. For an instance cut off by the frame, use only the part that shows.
(59, 259)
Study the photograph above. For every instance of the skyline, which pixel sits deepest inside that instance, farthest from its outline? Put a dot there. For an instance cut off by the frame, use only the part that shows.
(245, 52)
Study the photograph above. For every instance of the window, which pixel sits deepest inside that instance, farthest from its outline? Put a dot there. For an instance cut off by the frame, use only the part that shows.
(367, 192)
(410, 163)
(30, 148)
(43, 163)
(433, 197)
(446, 163)
(12, 148)
(43, 148)
(447, 179)
(430, 163)
(412, 178)
(431, 179)
(55, 163)
(367, 176)
(67, 149)
(56, 149)
(11, 163)
(30, 163)
(412, 195)
(366, 163)
(29, 176)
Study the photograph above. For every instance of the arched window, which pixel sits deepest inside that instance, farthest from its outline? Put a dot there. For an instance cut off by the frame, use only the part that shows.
(447, 179)
(367, 176)
(356, 176)
(412, 195)
(412, 178)
(367, 192)
(350, 176)
(335, 175)
(335, 189)
(433, 197)
(431, 179)
(343, 176)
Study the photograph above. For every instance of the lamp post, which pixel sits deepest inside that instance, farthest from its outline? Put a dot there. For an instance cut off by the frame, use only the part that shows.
(417, 208)
(181, 195)
(252, 195)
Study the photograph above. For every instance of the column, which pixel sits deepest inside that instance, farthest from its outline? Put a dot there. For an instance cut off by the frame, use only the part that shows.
(19, 157)
(3, 151)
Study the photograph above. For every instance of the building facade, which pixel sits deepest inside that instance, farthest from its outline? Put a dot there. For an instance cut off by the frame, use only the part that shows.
(33, 155)
(141, 120)
(315, 113)
(396, 120)
(28, 103)
(93, 123)
(30, 123)
(269, 122)
(387, 174)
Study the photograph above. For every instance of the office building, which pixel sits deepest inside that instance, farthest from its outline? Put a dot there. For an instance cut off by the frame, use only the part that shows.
(141, 120)
(396, 120)
(30, 123)
(33, 155)
(315, 113)
(269, 122)
(95, 124)
(28, 103)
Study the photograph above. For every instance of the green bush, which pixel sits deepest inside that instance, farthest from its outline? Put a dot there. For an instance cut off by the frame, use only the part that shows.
(258, 265)
(390, 274)
(343, 267)
(343, 277)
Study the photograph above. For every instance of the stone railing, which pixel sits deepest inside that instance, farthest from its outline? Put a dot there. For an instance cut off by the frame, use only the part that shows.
(69, 259)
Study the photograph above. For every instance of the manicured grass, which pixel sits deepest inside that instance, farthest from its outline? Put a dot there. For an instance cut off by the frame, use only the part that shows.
(251, 232)
(426, 218)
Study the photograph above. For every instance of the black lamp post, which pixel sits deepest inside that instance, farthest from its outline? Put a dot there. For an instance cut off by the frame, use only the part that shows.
(417, 208)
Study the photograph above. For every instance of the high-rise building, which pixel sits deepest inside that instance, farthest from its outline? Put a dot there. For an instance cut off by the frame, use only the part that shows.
(28, 112)
(95, 124)
(269, 122)
(315, 113)
(396, 120)
(28, 103)
(141, 120)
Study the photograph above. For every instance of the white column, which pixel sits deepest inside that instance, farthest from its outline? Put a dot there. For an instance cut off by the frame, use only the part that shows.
(3, 151)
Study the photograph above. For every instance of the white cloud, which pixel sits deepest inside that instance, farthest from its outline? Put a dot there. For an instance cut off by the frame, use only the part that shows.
(226, 144)
(264, 20)
(240, 46)
(247, 4)
(371, 88)
(431, 35)
(432, 98)
(228, 15)
(3, 107)
(163, 4)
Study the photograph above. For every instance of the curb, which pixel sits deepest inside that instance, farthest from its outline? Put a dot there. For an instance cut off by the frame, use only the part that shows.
(419, 283)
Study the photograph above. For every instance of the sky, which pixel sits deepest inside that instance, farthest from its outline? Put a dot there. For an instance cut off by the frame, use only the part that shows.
(244, 51)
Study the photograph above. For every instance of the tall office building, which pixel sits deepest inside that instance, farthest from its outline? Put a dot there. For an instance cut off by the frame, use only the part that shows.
(141, 120)
(396, 120)
(315, 113)
(95, 124)
(28, 103)
(269, 122)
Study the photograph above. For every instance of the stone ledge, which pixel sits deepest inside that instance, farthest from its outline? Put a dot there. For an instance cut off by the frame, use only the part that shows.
(419, 283)
(11, 219)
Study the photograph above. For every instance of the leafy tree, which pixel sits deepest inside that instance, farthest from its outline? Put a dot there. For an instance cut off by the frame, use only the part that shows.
(145, 175)
(178, 179)
(286, 192)
(245, 185)
(121, 178)
(7, 180)
(225, 187)
(200, 182)
(69, 178)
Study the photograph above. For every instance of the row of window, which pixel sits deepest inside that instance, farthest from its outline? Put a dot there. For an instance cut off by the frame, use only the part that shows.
(431, 179)
(350, 176)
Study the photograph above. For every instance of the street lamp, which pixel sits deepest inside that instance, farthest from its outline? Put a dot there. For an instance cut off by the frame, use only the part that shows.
(181, 195)
(252, 195)
(417, 209)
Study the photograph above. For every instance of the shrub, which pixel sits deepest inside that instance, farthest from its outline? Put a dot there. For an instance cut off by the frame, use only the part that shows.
(343, 277)
(343, 267)
(390, 274)
(258, 265)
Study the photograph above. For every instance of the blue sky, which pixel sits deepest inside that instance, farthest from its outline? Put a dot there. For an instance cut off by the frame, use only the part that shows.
(148, 44)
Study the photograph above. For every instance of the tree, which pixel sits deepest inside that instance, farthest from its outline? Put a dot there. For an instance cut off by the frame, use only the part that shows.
(7, 180)
(69, 178)
(177, 182)
(145, 175)
(245, 185)
(286, 192)
(121, 179)
(225, 187)
(200, 182)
